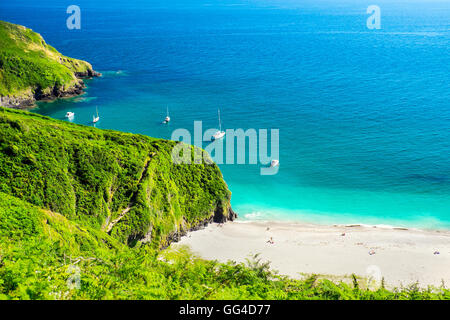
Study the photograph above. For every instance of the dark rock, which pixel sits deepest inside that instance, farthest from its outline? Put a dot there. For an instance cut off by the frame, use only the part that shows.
(88, 74)
(28, 101)
(17, 102)
(221, 217)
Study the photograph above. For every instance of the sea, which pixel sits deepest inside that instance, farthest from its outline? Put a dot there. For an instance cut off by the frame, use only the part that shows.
(362, 110)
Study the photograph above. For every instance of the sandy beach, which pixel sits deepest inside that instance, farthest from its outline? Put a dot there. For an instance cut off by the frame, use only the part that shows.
(400, 256)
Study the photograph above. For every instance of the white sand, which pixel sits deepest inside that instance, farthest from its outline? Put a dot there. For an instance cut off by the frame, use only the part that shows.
(402, 256)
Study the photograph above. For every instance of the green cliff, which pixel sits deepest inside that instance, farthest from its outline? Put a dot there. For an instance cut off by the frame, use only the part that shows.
(32, 70)
(123, 184)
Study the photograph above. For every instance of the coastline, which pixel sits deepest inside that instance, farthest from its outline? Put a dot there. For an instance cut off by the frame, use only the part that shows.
(44, 73)
(31, 96)
(403, 256)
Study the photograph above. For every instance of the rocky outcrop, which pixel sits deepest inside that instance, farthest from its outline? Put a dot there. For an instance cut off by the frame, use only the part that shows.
(28, 99)
(222, 215)
(88, 74)
(18, 102)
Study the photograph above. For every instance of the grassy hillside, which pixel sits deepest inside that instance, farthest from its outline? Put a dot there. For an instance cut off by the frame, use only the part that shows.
(31, 68)
(123, 184)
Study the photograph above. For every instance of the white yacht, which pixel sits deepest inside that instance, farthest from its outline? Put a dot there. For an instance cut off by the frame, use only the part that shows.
(70, 114)
(219, 134)
(95, 118)
(167, 119)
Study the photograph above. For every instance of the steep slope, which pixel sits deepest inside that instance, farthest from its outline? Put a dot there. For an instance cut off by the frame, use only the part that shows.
(121, 183)
(32, 70)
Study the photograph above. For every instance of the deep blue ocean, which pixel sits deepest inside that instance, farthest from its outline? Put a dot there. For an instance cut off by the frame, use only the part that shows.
(364, 115)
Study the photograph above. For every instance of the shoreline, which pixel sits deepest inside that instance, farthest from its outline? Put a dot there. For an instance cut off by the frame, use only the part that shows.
(402, 256)
(346, 225)
(28, 101)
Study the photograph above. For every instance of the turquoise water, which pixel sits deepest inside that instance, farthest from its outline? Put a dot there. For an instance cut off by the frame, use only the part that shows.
(364, 115)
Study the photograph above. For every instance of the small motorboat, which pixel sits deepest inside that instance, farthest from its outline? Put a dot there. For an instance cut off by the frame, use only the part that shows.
(95, 119)
(219, 134)
(70, 114)
(274, 163)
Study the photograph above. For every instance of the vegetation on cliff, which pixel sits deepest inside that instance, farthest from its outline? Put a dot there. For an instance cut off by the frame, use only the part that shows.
(123, 184)
(84, 213)
(31, 69)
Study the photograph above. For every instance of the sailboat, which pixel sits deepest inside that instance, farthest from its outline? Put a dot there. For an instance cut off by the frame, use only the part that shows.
(167, 119)
(219, 134)
(95, 118)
